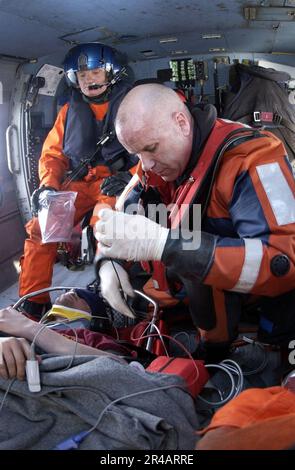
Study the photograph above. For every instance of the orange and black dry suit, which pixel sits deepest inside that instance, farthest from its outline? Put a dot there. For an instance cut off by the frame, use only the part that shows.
(248, 225)
(78, 127)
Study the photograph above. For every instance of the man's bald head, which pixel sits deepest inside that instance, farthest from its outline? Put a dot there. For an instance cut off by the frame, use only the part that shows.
(146, 103)
(154, 123)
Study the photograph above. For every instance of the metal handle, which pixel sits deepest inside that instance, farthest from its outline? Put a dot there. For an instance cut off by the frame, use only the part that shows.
(150, 341)
(41, 291)
(12, 129)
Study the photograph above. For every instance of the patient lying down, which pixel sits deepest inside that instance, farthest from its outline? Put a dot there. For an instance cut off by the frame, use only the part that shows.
(20, 331)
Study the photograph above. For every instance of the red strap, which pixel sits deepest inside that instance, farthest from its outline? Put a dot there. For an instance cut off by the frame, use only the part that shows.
(218, 135)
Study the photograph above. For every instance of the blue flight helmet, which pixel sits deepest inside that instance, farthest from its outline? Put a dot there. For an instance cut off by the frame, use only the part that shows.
(89, 56)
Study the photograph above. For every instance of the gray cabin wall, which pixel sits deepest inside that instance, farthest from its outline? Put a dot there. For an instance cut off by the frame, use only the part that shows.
(12, 232)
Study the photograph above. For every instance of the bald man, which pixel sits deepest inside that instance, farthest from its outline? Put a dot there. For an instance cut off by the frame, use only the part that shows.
(175, 135)
(245, 246)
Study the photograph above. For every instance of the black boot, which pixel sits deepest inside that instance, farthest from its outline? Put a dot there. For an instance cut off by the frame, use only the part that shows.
(36, 310)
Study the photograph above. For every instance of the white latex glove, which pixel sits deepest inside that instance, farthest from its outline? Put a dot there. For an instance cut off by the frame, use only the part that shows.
(110, 287)
(130, 237)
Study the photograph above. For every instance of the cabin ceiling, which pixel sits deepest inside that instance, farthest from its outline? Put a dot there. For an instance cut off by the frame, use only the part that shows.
(35, 28)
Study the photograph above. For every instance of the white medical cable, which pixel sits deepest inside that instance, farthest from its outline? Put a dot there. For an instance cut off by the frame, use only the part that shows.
(187, 336)
(41, 321)
(230, 367)
(43, 328)
(165, 387)
(264, 360)
(33, 356)
(221, 402)
(160, 336)
(151, 334)
(235, 368)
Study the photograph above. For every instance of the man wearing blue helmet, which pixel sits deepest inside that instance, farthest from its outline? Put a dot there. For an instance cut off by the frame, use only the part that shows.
(94, 75)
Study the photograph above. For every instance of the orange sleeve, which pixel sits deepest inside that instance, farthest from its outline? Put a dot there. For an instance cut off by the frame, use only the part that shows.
(272, 434)
(244, 262)
(258, 419)
(53, 163)
(252, 406)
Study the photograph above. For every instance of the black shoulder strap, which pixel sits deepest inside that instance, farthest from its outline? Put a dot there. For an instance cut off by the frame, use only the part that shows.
(233, 139)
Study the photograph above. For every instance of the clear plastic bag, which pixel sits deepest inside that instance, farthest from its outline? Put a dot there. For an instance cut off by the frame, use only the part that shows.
(56, 215)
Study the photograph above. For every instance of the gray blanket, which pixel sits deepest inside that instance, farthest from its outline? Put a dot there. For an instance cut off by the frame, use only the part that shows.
(71, 400)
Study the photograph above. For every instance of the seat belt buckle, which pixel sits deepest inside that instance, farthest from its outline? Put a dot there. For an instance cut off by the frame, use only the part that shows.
(256, 117)
(264, 117)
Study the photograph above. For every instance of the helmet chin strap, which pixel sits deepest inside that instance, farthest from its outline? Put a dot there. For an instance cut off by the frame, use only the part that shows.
(116, 78)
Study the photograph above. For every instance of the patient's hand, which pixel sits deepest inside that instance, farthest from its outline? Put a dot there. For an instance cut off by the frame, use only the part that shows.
(13, 355)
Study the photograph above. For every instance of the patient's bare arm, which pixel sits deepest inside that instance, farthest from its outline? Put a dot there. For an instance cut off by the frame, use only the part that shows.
(13, 323)
(16, 349)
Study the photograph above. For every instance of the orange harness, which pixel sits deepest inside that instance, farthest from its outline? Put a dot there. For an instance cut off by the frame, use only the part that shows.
(223, 134)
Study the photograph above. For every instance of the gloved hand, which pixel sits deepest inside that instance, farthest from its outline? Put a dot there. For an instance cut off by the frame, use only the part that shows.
(130, 237)
(115, 184)
(35, 198)
(111, 288)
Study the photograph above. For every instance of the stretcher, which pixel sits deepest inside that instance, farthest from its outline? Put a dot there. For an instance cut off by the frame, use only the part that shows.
(150, 335)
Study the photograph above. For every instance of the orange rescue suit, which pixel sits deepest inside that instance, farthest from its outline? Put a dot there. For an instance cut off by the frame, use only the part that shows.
(38, 260)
